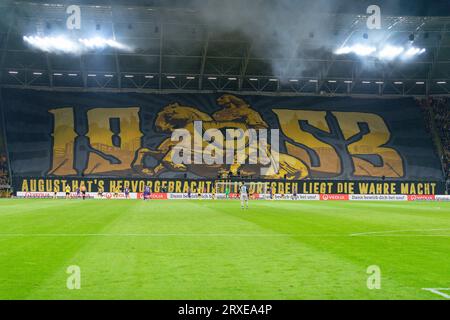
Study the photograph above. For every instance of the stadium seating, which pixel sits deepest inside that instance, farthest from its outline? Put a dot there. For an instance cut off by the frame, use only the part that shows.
(4, 168)
(436, 112)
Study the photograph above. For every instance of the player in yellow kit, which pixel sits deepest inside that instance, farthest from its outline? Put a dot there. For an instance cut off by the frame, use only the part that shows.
(67, 192)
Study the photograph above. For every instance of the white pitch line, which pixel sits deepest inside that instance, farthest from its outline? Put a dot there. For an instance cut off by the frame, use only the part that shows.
(160, 235)
(225, 235)
(438, 291)
(395, 231)
(407, 235)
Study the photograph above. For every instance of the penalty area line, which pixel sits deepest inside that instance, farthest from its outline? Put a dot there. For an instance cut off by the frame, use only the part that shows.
(438, 291)
(395, 231)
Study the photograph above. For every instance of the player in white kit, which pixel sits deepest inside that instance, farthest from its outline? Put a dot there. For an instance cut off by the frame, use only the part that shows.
(244, 195)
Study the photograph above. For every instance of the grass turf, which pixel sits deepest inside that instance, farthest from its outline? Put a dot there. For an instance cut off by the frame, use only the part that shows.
(214, 250)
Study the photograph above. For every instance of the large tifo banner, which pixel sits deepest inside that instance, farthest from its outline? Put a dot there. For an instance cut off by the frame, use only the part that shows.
(100, 135)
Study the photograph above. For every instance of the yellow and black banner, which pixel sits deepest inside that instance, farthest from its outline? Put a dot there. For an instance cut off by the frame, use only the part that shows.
(58, 184)
(57, 134)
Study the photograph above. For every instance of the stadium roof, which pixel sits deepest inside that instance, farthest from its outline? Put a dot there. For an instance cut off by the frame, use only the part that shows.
(174, 47)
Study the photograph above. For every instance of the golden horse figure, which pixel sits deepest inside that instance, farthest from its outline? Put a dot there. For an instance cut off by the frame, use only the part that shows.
(175, 116)
(237, 115)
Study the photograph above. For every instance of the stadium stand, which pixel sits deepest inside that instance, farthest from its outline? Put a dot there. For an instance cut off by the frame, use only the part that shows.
(440, 108)
(53, 113)
(436, 114)
(5, 183)
(4, 173)
(3, 170)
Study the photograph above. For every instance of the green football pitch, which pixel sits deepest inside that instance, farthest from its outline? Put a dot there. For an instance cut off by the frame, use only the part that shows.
(132, 249)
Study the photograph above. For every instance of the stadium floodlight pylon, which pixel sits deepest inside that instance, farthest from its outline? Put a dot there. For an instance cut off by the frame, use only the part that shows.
(255, 189)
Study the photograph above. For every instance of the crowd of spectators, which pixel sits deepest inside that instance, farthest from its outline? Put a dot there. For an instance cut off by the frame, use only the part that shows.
(424, 107)
(441, 111)
(438, 110)
(4, 172)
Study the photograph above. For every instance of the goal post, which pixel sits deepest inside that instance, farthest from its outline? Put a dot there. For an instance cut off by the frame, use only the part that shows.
(256, 190)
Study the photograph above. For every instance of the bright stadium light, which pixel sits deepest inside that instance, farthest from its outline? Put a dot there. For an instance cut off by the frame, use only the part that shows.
(212, 78)
(37, 73)
(398, 82)
(232, 79)
(101, 43)
(191, 78)
(13, 72)
(52, 44)
(129, 76)
(358, 49)
(293, 80)
(390, 52)
(363, 50)
(343, 50)
(253, 79)
(66, 45)
(148, 77)
(387, 52)
(57, 74)
(441, 82)
(72, 74)
(413, 51)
